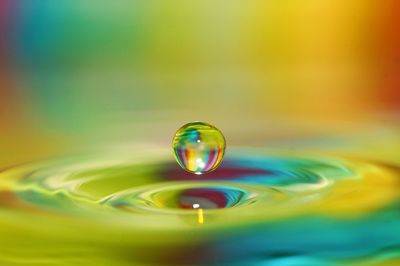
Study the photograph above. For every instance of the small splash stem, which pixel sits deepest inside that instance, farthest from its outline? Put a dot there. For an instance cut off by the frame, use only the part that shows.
(200, 217)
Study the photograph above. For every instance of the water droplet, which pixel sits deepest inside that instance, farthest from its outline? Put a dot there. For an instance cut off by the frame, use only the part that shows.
(198, 147)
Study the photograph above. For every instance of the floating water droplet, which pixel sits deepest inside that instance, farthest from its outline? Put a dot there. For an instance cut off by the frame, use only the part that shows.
(198, 147)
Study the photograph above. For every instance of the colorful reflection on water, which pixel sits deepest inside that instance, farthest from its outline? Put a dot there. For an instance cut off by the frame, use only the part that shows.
(258, 208)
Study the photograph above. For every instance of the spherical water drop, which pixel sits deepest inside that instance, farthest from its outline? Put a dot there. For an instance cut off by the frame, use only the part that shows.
(198, 147)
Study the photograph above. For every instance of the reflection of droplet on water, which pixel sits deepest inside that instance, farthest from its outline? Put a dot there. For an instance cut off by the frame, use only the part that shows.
(209, 198)
(198, 147)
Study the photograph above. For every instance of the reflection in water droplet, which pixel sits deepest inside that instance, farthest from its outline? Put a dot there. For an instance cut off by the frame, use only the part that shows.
(198, 147)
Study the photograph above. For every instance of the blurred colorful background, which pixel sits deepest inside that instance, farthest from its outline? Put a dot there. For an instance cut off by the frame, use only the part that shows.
(77, 76)
(103, 71)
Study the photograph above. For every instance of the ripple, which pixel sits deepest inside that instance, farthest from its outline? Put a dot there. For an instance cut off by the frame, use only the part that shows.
(254, 203)
(183, 196)
(272, 171)
(237, 182)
